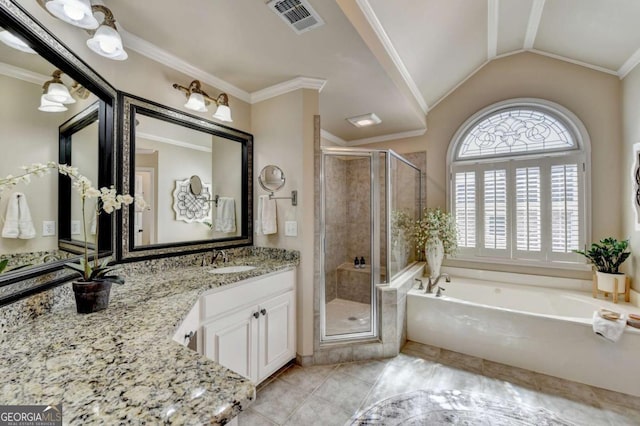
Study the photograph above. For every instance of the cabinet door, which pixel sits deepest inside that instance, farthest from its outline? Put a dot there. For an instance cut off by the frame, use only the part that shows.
(277, 334)
(233, 342)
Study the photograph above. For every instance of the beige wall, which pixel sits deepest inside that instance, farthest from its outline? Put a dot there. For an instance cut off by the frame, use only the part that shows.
(283, 135)
(593, 96)
(631, 132)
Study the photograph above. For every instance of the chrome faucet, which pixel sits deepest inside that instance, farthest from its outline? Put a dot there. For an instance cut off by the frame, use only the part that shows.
(432, 284)
(218, 253)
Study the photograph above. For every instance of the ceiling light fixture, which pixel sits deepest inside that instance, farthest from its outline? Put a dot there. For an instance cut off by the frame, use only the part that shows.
(106, 40)
(365, 120)
(197, 100)
(75, 12)
(14, 42)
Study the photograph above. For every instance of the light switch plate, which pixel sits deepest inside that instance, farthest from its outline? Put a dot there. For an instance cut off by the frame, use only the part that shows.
(48, 228)
(75, 227)
(291, 228)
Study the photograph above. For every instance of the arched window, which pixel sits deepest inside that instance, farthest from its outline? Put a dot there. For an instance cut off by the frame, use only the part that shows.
(519, 173)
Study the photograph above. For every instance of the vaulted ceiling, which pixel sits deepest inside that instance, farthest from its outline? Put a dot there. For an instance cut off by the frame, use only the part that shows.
(396, 58)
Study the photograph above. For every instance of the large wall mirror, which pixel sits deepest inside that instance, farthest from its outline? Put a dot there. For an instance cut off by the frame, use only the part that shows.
(165, 152)
(35, 217)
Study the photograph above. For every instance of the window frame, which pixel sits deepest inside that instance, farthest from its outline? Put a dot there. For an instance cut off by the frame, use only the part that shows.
(544, 159)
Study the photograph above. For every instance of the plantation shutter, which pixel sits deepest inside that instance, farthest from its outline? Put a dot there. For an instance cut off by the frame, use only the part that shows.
(565, 208)
(465, 208)
(495, 209)
(528, 215)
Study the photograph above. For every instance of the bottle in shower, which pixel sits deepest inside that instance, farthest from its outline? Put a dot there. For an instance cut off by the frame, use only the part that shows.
(356, 263)
(362, 262)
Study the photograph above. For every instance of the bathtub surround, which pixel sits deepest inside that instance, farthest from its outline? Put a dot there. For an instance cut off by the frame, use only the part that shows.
(517, 325)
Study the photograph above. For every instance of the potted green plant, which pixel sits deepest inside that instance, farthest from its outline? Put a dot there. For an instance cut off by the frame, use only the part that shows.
(606, 257)
(94, 286)
(436, 233)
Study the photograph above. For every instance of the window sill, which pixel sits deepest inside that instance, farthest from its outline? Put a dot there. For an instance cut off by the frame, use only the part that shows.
(554, 269)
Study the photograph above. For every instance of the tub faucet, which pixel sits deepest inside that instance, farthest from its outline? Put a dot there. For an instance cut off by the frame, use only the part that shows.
(432, 284)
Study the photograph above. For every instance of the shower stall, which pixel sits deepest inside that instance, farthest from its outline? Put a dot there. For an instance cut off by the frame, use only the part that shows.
(368, 200)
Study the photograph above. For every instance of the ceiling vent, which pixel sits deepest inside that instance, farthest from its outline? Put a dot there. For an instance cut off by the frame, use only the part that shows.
(297, 13)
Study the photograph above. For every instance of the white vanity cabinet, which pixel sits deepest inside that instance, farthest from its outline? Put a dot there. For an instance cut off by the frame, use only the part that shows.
(250, 327)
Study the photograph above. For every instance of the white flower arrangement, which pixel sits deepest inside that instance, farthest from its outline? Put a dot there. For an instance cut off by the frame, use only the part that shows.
(433, 224)
(108, 200)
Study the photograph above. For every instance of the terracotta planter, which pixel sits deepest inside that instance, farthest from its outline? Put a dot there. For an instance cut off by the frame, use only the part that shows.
(606, 282)
(91, 296)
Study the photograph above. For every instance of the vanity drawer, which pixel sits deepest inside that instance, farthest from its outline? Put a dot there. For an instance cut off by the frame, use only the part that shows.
(246, 292)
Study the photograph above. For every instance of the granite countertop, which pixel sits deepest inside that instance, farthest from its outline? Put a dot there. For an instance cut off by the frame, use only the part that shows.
(121, 364)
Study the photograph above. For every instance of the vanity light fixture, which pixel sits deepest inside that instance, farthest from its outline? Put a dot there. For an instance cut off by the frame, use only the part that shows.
(74, 12)
(106, 40)
(364, 120)
(197, 100)
(55, 94)
(14, 42)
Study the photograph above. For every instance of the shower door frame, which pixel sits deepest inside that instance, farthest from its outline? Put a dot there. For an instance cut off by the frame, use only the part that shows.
(374, 163)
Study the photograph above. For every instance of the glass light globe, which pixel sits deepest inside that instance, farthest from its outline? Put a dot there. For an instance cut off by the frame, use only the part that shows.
(223, 113)
(107, 42)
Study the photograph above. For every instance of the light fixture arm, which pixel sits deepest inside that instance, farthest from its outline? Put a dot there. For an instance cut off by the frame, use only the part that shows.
(56, 79)
(109, 19)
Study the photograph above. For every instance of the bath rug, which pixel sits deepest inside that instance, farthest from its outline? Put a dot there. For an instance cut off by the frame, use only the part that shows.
(453, 407)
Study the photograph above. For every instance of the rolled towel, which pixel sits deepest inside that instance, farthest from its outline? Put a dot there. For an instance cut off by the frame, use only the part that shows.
(10, 229)
(610, 330)
(25, 223)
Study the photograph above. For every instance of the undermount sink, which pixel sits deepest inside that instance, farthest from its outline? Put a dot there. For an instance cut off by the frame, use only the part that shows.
(232, 269)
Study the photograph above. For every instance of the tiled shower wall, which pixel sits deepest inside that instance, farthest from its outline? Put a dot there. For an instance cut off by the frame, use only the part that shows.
(335, 223)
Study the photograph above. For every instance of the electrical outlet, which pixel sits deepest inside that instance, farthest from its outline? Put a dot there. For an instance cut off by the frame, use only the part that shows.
(291, 228)
(48, 228)
(75, 227)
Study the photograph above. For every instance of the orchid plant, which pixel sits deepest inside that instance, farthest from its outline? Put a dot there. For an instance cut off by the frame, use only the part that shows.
(107, 201)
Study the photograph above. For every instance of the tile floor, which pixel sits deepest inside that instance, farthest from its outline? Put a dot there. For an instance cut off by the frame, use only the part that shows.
(330, 395)
(346, 316)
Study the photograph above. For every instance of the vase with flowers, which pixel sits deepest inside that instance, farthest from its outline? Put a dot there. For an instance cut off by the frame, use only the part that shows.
(96, 277)
(435, 233)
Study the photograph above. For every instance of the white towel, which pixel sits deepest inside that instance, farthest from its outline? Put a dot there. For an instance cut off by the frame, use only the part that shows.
(25, 223)
(226, 215)
(267, 215)
(607, 329)
(18, 222)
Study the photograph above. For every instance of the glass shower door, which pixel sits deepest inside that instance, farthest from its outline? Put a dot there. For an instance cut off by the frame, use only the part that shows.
(351, 250)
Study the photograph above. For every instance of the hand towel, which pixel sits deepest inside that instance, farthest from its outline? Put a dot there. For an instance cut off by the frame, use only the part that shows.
(607, 329)
(10, 229)
(261, 200)
(226, 215)
(269, 216)
(25, 223)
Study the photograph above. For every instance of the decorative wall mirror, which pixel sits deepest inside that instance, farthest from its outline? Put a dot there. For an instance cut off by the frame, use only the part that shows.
(195, 176)
(31, 135)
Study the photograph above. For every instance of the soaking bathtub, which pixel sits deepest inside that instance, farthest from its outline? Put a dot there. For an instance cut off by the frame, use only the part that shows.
(539, 329)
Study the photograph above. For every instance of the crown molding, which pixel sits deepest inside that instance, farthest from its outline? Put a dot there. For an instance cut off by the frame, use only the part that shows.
(159, 55)
(332, 138)
(492, 28)
(574, 61)
(286, 87)
(389, 137)
(629, 64)
(375, 24)
(534, 23)
(23, 74)
(169, 141)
